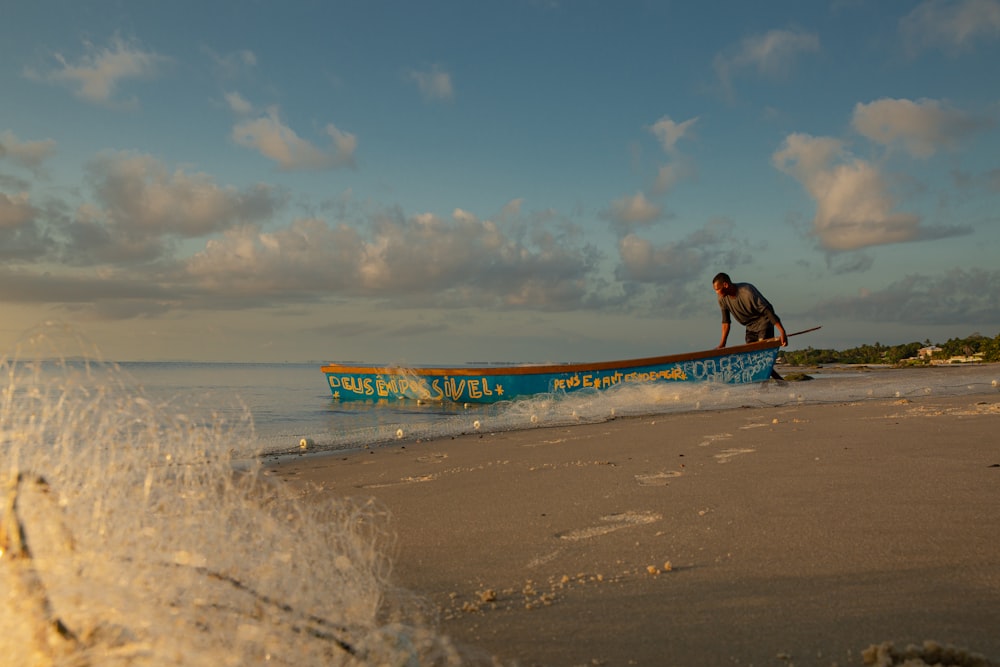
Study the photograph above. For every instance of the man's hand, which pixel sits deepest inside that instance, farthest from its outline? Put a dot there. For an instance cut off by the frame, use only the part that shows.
(725, 336)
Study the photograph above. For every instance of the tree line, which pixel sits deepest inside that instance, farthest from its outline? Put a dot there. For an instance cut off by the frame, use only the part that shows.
(897, 354)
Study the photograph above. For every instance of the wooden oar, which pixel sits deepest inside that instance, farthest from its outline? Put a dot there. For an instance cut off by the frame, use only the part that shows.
(804, 331)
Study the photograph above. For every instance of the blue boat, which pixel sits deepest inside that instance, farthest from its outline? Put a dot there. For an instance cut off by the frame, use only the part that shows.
(740, 364)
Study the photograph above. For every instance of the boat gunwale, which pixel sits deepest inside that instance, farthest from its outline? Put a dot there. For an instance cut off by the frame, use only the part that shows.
(546, 369)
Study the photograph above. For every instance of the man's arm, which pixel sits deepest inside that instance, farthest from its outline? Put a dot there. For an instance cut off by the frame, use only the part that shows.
(784, 336)
(725, 335)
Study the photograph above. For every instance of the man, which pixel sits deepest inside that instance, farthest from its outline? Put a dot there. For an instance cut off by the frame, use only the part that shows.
(744, 302)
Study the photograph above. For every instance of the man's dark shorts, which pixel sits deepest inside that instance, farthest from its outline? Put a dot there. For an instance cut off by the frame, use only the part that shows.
(754, 336)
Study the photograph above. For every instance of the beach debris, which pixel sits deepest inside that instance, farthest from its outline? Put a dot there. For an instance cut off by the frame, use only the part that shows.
(399, 434)
(654, 570)
(32, 514)
(531, 595)
(51, 637)
(929, 653)
(657, 478)
(611, 523)
(306, 443)
(122, 543)
(725, 455)
(745, 427)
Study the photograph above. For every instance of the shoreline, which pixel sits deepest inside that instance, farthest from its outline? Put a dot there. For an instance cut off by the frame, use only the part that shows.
(770, 535)
(794, 376)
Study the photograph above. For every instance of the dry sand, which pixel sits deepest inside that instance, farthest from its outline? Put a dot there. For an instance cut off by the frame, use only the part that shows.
(796, 535)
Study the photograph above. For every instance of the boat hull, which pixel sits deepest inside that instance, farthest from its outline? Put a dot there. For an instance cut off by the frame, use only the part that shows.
(732, 365)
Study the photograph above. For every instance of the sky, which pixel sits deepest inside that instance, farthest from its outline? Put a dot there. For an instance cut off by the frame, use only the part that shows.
(500, 180)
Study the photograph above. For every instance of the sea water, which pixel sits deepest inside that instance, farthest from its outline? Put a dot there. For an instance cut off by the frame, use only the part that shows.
(136, 529)
(292, 411)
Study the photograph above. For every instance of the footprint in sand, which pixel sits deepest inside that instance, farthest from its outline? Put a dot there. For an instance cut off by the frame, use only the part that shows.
(726, 454)
(747, 427)
(432, 458)
(612, 522)
(656, 478)
(544, 558)
(709, 439)
(403, 480)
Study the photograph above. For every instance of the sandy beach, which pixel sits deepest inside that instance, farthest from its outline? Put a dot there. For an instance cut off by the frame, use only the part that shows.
(794, 535)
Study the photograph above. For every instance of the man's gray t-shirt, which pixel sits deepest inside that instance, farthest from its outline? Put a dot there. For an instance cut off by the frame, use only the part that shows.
(749, 307)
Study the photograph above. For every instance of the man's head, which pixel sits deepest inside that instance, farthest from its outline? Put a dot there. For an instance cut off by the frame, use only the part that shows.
(723, 285)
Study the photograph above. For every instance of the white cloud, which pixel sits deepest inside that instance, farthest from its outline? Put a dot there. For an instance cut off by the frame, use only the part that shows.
(629, 212)
(771, 54)
(139, 192)
(238, 104)
(28, 154)
(921, 128)
(425, 259)
(669, 175)
(642, 261)
(141, 206)
(297, 259)
(853, 206)
(108, 296)
(275, 140)
(234, 64)
(951, 25)
(967, 296)
(15, 211)
(98, 74)
(849, 262)
(670, 132)
(22, 239)
(670, 277)
(512, 209)
(142, 218)
(434, 83)
(677, 262)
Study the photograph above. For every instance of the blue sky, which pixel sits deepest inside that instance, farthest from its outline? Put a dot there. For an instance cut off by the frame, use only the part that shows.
(433, 182)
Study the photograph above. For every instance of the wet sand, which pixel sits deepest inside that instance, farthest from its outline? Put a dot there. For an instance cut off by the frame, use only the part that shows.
(794, 535)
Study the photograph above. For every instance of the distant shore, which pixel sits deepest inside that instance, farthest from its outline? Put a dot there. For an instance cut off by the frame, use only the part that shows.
(796, 534)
